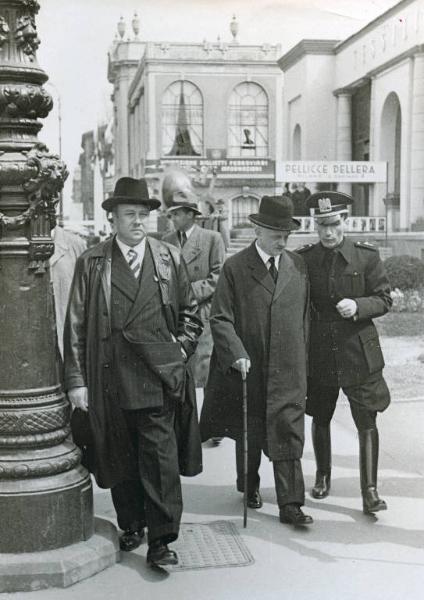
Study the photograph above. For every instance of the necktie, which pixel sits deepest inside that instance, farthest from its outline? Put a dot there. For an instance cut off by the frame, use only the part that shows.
(134, 262)
(183, 238)
(273, 269)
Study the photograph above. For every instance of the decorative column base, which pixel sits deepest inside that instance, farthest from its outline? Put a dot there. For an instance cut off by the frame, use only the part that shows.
(62, 567)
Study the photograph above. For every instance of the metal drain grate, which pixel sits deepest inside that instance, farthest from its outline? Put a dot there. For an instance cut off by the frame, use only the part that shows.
(210, 545)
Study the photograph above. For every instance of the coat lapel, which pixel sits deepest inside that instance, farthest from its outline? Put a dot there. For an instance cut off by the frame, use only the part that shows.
(147, 287)
(259, 270)
(192, 247)
(121, 277)
(285, 273)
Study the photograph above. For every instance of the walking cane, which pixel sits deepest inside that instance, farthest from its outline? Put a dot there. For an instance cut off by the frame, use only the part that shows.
(245, 449)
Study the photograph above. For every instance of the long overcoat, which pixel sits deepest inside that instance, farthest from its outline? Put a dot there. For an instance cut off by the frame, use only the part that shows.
(204, 255)
(252, 317)
(67, 247)
(89, 353)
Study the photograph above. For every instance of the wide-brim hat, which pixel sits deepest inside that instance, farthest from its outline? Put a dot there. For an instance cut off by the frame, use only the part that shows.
(328, 203)
(183, 203)
(130, 191)
(276, 212)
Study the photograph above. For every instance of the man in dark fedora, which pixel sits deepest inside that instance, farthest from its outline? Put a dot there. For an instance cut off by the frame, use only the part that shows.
(259, 321)
(131, 324)
(349, 288)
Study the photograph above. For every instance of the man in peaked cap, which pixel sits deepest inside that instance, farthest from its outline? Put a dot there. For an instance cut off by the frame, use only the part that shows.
(131, 323)
(349, 288)
(259, 321)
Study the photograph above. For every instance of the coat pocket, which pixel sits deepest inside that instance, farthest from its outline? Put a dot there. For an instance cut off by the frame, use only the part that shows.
(352, 284)
(372, 349)
(165, 359)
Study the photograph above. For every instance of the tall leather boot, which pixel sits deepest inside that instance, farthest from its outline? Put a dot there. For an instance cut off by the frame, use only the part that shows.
(321, 441)
(368, 462)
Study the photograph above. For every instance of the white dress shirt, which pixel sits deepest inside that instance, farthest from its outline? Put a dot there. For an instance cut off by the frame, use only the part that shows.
(140, 249)
(265, 257)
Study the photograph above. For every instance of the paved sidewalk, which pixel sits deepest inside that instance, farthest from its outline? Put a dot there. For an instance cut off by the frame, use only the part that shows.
(344, 555)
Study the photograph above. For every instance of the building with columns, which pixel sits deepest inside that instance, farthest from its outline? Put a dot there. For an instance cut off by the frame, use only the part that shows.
(363, 99)
(213, 108)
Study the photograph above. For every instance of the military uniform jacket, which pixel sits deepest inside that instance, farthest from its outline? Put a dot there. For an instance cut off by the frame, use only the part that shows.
(344, 352)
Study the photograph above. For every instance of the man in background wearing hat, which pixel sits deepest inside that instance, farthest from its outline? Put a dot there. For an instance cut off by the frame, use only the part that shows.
(130, 325)
(204, 254)
(259, 321)
(349, 288)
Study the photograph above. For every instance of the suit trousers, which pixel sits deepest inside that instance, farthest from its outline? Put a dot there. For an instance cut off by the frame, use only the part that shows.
(155, 499)
(288, 475)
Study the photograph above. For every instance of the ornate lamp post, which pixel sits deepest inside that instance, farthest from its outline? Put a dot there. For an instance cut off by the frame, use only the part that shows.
(45, 494)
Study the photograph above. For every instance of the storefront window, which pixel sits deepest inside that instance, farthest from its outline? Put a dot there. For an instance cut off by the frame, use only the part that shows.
(248, 122)
(182, 120)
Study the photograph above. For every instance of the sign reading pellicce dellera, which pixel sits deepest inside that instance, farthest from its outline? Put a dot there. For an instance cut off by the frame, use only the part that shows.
(336, 171)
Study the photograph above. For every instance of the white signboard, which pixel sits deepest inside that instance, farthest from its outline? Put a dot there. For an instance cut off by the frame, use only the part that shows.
(340, 171)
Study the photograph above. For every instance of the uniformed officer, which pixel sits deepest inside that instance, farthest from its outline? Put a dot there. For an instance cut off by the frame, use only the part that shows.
(349, 288)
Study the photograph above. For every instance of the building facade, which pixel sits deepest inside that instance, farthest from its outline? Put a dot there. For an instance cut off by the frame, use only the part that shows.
(363, 99)
(212, 108)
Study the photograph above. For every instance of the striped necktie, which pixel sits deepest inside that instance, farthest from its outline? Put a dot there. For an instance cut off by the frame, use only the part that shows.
(134, 262)
(183, 238)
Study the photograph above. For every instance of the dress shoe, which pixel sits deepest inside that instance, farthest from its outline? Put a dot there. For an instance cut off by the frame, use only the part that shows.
(130, 540)
(159, 555)
(372, 502)
(254, 500)
(293, 515)
(322, 485)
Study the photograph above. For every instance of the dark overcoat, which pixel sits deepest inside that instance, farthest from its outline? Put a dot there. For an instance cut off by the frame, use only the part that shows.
(254, 318)
(345, 352)
(204, 255)
(89, 353)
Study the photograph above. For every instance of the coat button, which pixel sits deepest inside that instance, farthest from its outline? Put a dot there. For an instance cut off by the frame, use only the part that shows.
(106, 366)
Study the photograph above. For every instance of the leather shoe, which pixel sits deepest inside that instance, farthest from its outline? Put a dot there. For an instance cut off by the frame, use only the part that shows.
(322, 486)
(159, 555)
(294, 515)
(254, 500)
(372, 502)
(130, 540)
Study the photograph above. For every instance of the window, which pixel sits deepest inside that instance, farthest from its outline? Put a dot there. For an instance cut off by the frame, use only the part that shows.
(248, 121)
(182, 120)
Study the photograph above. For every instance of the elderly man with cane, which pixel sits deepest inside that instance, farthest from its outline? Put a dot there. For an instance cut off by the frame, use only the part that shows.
(259, 321)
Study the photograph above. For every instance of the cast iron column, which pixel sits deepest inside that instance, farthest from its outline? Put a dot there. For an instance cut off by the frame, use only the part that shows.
(45, 494)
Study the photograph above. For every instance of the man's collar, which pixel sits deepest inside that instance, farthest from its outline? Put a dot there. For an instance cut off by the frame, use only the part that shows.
(125, 248)
(344, 248)
(265, 257)
(189, 231)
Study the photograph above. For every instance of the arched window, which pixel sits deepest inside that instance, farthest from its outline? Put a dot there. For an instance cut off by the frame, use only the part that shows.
(297, 143)
(182, 120)
(248, 121)
(391, 130)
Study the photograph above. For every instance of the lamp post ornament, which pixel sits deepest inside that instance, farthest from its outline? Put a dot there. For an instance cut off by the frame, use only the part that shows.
(45, 493)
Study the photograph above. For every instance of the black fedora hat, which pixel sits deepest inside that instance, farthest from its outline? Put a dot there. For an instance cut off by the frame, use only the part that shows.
(130, 191)
(276, 212)
(329, 204)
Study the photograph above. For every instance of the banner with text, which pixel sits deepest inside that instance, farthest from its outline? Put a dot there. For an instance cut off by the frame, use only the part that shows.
(340, 171)
(227, 167)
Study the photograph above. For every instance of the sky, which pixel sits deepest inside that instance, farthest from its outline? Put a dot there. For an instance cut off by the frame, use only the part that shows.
(76, 36)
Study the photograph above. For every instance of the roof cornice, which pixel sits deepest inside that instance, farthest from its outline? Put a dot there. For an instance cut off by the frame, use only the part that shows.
(305, 47)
